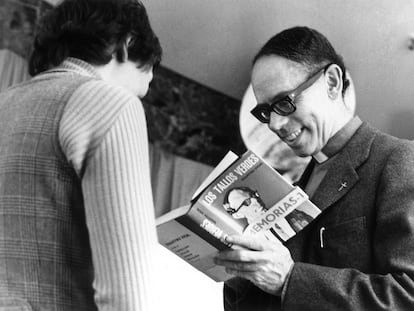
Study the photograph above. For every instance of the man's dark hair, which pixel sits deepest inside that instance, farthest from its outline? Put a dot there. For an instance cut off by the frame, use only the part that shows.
(305, 46)
(93, 31)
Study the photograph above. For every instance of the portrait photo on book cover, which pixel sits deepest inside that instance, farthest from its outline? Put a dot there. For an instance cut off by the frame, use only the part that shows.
(246, 204)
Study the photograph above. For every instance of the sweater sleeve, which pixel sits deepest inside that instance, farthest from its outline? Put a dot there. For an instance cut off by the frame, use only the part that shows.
(103, 134)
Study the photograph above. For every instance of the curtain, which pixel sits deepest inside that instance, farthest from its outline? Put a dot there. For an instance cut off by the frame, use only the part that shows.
(174, 179)
(13, 69)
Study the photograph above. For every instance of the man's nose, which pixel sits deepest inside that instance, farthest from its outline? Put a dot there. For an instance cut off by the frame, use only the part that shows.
(277, 122)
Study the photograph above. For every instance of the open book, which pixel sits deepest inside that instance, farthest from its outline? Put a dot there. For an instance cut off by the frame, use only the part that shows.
(242, 195)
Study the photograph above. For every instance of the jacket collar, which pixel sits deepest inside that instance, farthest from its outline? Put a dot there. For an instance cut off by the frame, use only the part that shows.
(342, 174)
(338, 141)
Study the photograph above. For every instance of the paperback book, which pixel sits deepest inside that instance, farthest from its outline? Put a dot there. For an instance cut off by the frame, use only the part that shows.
(242, 195)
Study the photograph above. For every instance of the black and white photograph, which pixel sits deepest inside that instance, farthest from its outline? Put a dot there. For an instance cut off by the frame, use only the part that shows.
(116, 115)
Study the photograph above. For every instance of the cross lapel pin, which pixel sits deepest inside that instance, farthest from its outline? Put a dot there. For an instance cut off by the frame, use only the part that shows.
(343, 185)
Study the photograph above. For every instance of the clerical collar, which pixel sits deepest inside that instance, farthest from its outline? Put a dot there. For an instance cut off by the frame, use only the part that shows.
(338, 141)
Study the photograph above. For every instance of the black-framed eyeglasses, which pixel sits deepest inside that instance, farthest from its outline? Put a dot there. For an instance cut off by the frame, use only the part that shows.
(284, 105)
(246, 202)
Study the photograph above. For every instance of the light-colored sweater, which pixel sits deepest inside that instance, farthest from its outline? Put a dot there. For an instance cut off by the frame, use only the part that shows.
(103, 134)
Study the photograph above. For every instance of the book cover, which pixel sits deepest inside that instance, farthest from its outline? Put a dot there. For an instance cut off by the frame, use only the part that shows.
(243, 195)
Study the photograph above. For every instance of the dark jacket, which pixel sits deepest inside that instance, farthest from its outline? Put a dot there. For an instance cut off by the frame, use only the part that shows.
(359, 253)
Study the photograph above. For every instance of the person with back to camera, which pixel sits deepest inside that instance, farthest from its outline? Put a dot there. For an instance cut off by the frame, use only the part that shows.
(78, 229)
(358, 254)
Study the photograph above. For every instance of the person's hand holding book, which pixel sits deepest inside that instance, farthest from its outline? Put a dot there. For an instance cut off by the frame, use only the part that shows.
(265, 263)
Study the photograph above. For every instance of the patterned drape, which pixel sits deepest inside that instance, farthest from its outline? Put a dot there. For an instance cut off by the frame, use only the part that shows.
(174, 179)
(13, 69)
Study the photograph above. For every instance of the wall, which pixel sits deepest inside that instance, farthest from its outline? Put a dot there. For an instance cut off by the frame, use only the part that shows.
(214, 41)
(17, 23)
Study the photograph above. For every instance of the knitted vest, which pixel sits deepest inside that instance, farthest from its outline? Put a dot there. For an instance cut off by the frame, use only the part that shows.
(45, 255)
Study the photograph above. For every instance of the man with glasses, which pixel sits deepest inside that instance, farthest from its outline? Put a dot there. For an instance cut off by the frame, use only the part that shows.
(243, 202)
(359, 253)
(246, 204)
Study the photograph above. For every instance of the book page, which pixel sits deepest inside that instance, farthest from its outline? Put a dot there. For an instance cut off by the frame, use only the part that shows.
(177, 212)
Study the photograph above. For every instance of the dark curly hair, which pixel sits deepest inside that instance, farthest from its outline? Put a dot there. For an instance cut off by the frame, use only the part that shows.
(94, 31)
(305, 46)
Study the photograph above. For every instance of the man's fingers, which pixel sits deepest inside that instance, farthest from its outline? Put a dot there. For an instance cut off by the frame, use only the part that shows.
(252, 242)
(246, 242)
(241, 274)
(239, 255)
(241, 267)
(243, 256)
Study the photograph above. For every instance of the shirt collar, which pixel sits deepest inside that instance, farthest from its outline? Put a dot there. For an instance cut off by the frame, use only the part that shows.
(338, 141)
(78, 66)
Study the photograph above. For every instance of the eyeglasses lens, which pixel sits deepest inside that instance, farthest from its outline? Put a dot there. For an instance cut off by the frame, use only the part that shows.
(245, 203)
(262, 113)
(283, 107)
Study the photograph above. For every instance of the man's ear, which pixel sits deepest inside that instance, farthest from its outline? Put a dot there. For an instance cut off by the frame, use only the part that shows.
(333, 76)
(124, 53)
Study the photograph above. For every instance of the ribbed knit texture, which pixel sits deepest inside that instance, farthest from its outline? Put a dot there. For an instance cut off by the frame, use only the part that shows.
(103, 134)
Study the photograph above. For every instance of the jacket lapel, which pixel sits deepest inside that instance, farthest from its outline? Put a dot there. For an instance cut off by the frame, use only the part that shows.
(342, 174)
(339, 179)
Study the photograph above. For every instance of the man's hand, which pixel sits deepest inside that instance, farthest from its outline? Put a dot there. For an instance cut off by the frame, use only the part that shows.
(265, 263)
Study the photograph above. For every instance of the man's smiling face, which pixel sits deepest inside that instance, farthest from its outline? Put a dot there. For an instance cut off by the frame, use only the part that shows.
(308, 129)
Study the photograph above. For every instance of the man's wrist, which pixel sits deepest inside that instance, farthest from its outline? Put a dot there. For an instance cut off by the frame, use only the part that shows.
(285, 284)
